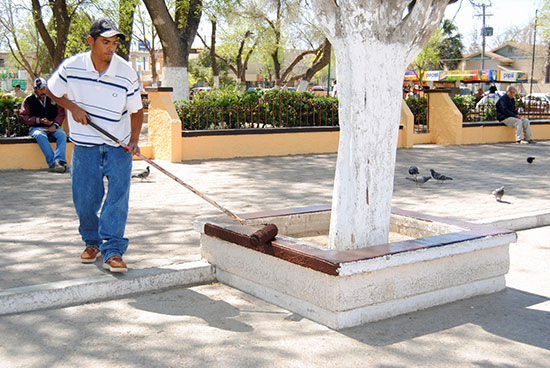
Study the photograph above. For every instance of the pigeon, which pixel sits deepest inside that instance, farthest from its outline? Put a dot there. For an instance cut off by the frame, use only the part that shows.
(413, 170)
(530, 160)
(498, 193)
(142, 174)
(419, 180)
(439, 177)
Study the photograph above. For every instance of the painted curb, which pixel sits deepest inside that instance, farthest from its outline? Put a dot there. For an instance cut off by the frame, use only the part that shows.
(108, 286)
(519, 222)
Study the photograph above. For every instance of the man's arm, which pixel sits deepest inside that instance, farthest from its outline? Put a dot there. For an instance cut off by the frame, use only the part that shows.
(136, 121)
(26, 117)
(79, 115)
(60, 116)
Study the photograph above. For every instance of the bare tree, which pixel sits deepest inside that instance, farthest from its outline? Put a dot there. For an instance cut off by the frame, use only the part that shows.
(322, 58)
(60, 22)
(237, 60)
(373, 42)
(22, 39)
(146, 34)
(176, 36)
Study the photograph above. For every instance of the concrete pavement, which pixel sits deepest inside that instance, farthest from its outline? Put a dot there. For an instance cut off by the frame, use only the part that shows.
(39, 239)
(217, 326)
(40, 247)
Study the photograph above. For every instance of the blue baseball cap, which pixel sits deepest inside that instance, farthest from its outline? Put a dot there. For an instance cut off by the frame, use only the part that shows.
(40, 83)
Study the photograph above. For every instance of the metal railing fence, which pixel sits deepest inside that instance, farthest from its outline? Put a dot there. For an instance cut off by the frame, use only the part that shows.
(271, 111)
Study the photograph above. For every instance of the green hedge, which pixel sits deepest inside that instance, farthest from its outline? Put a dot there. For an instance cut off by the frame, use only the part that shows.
(419, 108)
(10, 122)
(229, 108)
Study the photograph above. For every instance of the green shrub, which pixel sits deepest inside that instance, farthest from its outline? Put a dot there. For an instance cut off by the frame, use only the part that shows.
(419, 108)
(10, 122)
(230, 108)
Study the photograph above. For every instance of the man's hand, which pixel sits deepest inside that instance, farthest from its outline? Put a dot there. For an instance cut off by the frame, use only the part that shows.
(79, 115)
(52, 128)
(133, 148)
(45, 121)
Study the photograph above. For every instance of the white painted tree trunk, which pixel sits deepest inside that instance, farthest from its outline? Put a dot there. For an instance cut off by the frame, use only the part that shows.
(216, 81)
(302, 86)
(176, 77)
(370, 107)
(373, 42)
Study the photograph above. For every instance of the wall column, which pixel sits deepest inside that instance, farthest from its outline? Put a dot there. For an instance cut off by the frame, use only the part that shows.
(164, 125)
(444, 118)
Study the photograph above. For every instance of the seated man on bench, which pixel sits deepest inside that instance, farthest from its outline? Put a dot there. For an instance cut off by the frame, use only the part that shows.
(508, 115)
(44, 117)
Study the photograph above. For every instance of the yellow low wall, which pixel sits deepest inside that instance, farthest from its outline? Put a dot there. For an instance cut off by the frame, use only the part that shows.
(256, 145)
(28, 156)
(500, 133)
(167, 143)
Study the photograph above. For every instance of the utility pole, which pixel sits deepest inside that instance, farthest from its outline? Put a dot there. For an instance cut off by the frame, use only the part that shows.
(483, 41)
(485, 31)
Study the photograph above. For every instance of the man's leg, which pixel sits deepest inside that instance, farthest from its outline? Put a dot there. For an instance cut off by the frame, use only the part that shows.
(516, 124)
(112, 223)
(526, 128)
(42, 139)
(61, 143)
(88, 191)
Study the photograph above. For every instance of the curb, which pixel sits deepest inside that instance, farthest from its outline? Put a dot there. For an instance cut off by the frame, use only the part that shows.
(109, 286)
(78, 291)
(519, 222)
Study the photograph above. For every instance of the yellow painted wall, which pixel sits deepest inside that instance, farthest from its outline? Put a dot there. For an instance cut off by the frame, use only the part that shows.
(422, 138)
(164, 127)
(255, 145)
(406, 135)
(497, 134)
(27, 156)
(444, 119)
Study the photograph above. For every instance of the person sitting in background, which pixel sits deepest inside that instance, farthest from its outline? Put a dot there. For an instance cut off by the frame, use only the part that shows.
(508, 114)
(18, 92)
(490, 97)
(44, 117)
(479, 95)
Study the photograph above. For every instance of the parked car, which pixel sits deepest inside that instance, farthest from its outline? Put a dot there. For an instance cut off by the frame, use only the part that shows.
(536, 102)
(198, 89)
(539, 99)
(319, 90)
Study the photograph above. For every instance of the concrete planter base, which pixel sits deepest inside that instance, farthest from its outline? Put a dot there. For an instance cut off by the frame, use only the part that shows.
(445, 260)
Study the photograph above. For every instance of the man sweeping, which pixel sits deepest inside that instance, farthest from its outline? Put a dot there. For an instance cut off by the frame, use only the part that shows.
(100, 86)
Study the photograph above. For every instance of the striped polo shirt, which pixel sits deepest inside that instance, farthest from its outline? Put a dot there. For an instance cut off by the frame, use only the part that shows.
(108, 98)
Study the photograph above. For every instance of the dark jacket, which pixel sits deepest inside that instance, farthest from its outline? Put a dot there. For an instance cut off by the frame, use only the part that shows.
(32, 108)
(506, 107)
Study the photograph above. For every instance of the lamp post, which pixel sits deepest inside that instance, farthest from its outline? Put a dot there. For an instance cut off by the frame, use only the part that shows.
(533, 57)
(328, 79)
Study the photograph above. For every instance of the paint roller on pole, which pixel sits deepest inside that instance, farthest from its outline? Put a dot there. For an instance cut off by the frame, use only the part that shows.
(262, 236)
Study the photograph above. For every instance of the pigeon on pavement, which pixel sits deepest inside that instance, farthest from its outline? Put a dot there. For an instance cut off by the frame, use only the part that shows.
(413, 170)
(498, 193)
(419, 180)
(530, 160)
(439, 177)
(142, 174)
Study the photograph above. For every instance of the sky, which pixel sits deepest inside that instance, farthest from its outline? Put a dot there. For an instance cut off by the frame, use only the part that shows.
(505, 13)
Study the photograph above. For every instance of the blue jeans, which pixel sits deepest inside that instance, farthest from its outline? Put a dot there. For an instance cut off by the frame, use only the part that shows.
(42, 139)
(88, 168)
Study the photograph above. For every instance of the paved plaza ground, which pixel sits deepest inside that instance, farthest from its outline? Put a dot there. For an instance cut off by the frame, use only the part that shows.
(214, 325)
